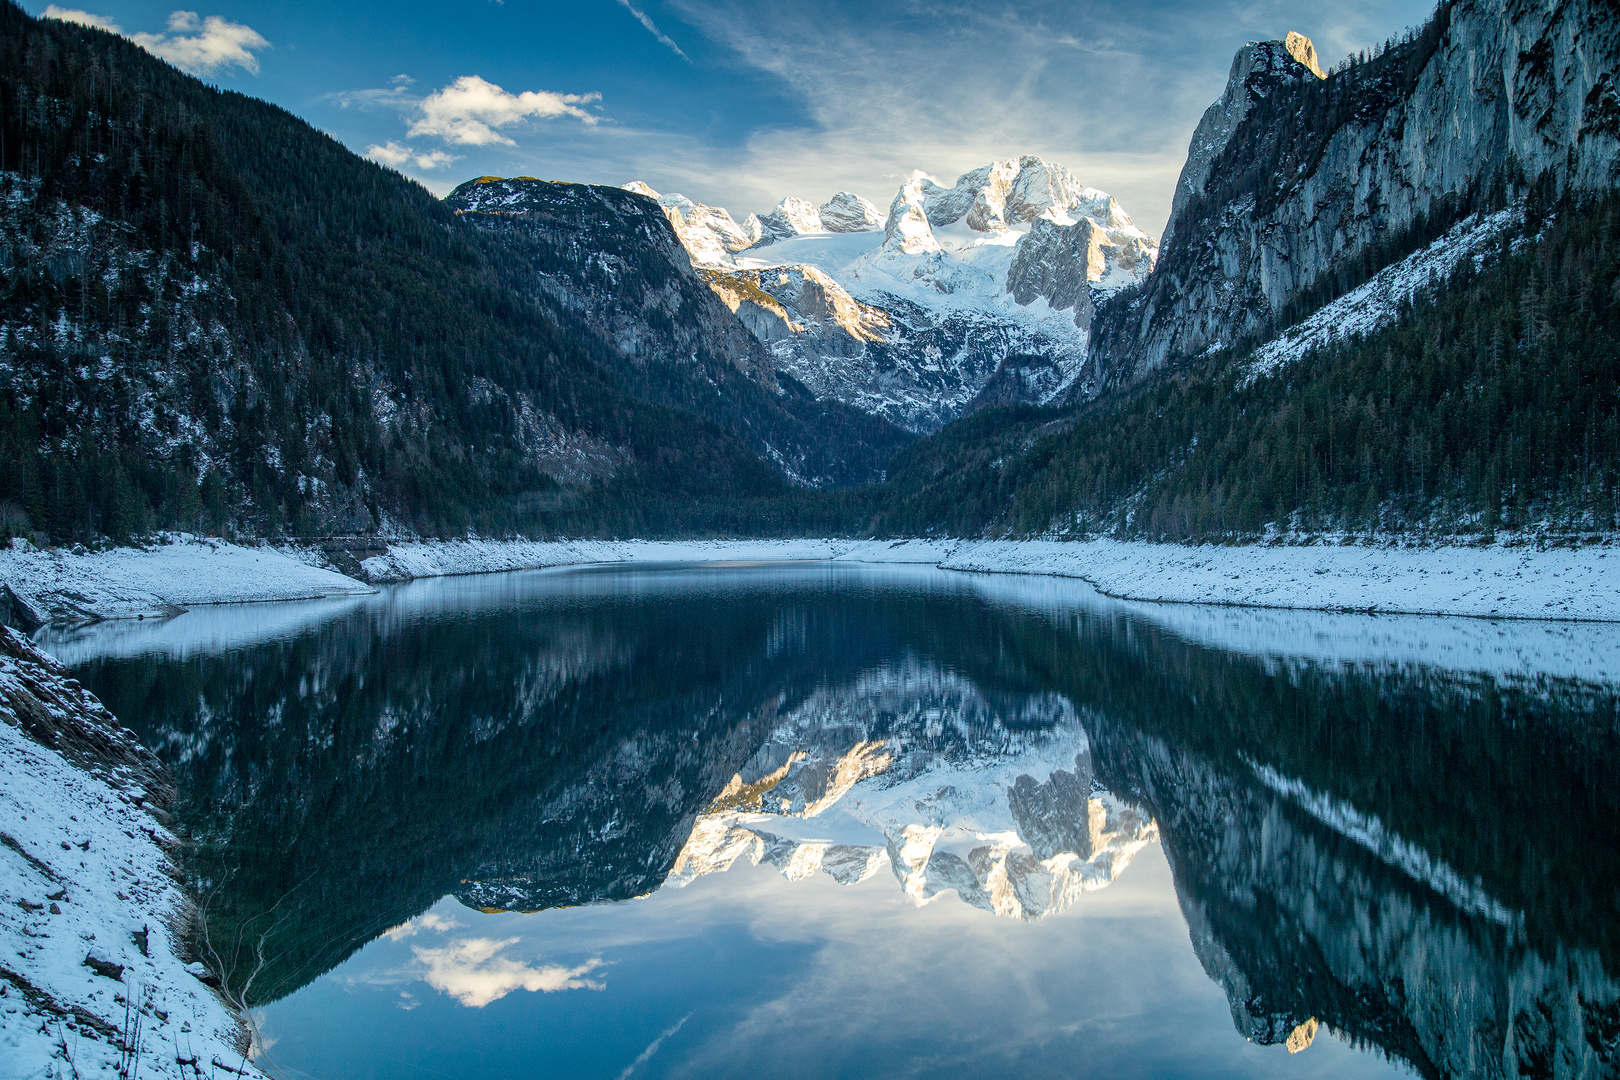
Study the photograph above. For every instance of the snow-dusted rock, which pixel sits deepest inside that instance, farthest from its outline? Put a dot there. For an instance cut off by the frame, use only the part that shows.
(915, 768)
(907, 231)
(786, 302)
(792, 217)
(847, 212)
(916, 322)
(1058, 263)
(1377, 303)
(708, 233)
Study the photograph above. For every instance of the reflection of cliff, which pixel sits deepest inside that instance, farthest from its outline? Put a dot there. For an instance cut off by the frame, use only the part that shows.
(1302, 913)
(1419, 858)
(917, 769)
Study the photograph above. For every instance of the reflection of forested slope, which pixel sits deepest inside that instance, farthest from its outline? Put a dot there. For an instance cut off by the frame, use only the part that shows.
(1513, 782)
(557, 756)
(1485, 944)
(1297, 922)
(344, 781)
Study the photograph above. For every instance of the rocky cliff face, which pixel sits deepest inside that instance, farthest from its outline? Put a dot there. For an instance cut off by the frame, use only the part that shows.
(1291, 175)
(618, 262)
(1306, 911)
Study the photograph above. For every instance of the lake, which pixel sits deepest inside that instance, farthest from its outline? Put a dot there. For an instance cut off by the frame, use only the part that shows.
(818, 820)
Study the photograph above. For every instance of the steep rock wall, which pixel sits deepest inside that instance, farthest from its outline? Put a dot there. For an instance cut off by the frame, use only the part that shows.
(1322, 172)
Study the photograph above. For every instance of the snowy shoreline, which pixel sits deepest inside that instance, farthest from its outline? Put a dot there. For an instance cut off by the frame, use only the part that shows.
(1523, 581)
(93, 918)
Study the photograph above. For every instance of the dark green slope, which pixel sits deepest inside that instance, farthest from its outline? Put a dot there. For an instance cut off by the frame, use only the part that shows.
(607, 259)
(215, 316)
(1494, 401)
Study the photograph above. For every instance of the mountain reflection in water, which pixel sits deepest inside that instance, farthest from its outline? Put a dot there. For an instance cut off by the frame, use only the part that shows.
(1406, 831)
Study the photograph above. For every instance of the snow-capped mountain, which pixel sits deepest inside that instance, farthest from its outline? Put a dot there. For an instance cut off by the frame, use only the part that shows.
(911, 768)
(977, 293)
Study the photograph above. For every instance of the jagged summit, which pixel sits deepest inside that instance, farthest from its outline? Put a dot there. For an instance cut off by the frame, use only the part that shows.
(847, 212)
(1301, 48)
(916, 314)
(708, 232)
(1259, 69)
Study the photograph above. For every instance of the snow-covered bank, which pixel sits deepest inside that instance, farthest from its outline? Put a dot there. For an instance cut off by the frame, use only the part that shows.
(1500, 581)
(61, 585)
(91, 980)
(1497, 581)
(1493, 582)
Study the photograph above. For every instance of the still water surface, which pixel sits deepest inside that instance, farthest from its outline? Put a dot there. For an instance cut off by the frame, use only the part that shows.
(818, 820)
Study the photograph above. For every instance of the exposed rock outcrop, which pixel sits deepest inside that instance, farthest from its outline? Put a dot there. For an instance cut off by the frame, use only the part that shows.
(1290, 175)
(847, 212)
(782, 303)
(1058, 263)
(792, 217)
(707, 232)
(908, 230)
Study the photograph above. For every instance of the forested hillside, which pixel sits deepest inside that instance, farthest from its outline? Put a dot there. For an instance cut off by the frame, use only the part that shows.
(215, 317)
(607, 259)
(1493, 402)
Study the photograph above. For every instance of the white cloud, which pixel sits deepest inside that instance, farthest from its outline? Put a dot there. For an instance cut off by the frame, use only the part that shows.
(193, 44)
(468, 111)
(472, 971)
(398, 156)
(83, 18)
(427, 920)
(663, 39)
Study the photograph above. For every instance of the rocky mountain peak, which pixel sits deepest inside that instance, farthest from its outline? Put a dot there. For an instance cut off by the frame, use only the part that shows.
(909, 230)
(1300, 48)
(847, 212)
(1259, 69)
(792, 217)
(708, 233)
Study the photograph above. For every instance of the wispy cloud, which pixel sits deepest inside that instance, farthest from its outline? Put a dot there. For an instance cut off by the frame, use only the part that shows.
(652, 1047)
(663, 38)
(1110, 90)
(398, 156)
(472, 971)
(469, 110)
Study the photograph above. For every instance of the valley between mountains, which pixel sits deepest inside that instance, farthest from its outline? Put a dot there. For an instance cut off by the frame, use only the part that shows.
(1371, 368)
(1381, 311)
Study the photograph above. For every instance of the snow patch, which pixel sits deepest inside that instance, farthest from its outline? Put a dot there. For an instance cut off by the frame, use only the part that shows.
(1377, 303)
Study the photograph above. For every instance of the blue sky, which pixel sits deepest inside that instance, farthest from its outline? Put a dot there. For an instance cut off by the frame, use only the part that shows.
(740, 102)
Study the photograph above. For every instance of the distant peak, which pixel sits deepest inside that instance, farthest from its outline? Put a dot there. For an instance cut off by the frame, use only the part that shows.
(640, 188)
(1300, 48)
